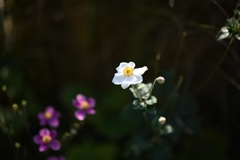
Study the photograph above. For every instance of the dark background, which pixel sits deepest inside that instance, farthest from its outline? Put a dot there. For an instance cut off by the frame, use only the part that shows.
(52, 50)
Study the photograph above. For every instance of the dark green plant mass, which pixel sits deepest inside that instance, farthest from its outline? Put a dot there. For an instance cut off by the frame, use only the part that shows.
(119, 80)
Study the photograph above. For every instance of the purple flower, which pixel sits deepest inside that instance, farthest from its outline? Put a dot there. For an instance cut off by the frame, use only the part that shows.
(46, 139)
(56, 158)
(49, 116)
(84, 106)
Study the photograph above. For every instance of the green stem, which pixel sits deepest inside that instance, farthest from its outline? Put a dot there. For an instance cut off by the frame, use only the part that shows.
(238, 3)
(172, 98)
(136, 92)
(17, 154)
(7, 134)
(144, 112)
(151, 89)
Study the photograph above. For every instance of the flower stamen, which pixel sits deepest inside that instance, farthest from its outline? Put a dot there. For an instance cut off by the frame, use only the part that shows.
(84, 105)
(48, 115)
(46, 139)
(128, 71)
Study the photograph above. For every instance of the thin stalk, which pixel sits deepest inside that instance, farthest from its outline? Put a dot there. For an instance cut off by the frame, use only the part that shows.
(136, 92)
(146, 119)
(173, 96)
(7, 134)
(220, 7)
(215, 69)
(17, 154)
(151, 89)
(158, 56)
(229, 79)
(180, 48)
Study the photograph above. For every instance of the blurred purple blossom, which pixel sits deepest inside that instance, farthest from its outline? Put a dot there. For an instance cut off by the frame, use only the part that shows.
(49, 116)
(84, 106)
(56, 158)
(46, 139)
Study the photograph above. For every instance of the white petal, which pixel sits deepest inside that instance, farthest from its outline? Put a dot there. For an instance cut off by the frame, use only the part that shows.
(238, 36)
(131, 64)
(140, 71)
(125, 85)
(223, 35)
(118, 78)
(130, 79)
(121, 66)
(139, 79)
(224, 29)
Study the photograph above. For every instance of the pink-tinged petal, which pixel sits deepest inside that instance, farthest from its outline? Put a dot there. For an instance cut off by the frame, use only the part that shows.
(53, 133)
(80, 115)
(125, 85)
(131, 64)
(43, 122)
(52, 158)
(55, 145)
(56, 158)
(50, 109)
(91, 102)
(54, 122)
(37, 139)
(44, 132)
(91, 111)
(139, 79)
(75, 103)
(43, 147)
(139, 71)
(80, 98)
(121, 66)
(57, 114)
(61, 158)
(118, 78)
(41, 116)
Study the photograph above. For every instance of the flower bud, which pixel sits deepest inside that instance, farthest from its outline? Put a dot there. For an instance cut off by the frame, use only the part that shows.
(4, 88)
(162, 120)
(17, 145)
(15, 107)
(160, 80)
(24, 103)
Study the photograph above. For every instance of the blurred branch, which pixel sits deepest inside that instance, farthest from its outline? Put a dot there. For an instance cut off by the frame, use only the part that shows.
(220, 7)
(171, 3)
(183, 125)
(180, 48)
(229, 79)
(174, 95)
(215, 68)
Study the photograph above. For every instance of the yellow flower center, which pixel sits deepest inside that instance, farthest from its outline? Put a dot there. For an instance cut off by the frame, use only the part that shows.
(48, 115)
(128, 71)
(84, 105)
(46, 139)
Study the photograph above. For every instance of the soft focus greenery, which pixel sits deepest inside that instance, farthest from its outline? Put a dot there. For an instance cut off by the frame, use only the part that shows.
(52, 50)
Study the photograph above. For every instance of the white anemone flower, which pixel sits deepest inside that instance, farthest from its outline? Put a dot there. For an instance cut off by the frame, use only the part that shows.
(127, 75)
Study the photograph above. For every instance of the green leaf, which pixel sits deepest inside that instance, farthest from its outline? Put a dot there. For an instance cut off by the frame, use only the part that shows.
(137, 105)
(151, 110)
(151, 101)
